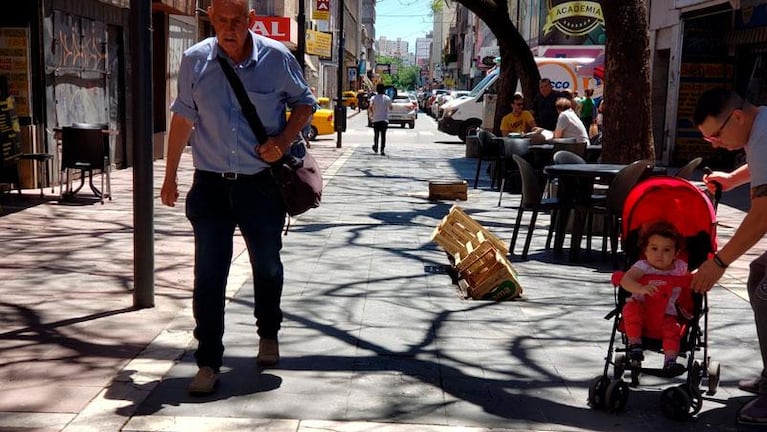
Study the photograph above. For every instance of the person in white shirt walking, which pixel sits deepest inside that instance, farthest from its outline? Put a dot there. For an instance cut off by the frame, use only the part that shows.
(379, 108)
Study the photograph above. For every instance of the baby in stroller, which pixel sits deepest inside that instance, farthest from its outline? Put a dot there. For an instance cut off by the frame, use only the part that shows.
(676, 223)
(657, 298)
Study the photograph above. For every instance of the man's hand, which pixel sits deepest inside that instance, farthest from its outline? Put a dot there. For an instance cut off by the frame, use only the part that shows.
(169, 192)
(725, 180)
(707, 275)
(273, 149)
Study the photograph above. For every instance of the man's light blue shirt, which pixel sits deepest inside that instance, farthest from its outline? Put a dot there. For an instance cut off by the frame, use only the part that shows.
(222, 140)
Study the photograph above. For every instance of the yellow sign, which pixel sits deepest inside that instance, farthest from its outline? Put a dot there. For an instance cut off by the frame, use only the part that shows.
(321, 10)
(318, 43)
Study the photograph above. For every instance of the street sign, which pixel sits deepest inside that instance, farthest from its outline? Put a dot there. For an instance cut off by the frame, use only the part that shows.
(321, 10)
(283, 29)
(319, 43)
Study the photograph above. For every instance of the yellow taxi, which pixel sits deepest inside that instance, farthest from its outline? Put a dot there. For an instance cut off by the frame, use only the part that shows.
(322, 123)
(350, 99)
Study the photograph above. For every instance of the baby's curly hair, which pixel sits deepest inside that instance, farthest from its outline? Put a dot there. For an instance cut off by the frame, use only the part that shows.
(662, 228)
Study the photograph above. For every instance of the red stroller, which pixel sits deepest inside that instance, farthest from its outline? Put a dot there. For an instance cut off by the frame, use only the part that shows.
(691, 211)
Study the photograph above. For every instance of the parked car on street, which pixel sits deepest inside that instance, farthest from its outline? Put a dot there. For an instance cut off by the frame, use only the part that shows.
(435, 93)
(403, 111)
(436, 107)
(350, 99)
(322, 123)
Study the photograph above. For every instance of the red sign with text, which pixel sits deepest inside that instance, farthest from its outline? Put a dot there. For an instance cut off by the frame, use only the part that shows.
(274, 27)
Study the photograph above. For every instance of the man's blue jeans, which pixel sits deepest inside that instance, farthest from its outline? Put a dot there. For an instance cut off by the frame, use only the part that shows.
(215, 206)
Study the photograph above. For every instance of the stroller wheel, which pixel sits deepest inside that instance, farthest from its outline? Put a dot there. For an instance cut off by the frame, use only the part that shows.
(695, 374)
(620, 366)
(617, 396)
(675, 403)
(597, 391)
(713, 377)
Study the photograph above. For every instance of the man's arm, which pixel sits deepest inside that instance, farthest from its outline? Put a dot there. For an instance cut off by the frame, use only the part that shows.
(751, 229)
(178, 136)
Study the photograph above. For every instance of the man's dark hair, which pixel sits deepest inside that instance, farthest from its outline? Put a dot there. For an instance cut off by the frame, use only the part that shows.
(713, 102)
(380, 88)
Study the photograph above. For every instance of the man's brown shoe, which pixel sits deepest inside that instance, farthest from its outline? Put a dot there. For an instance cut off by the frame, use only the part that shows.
(750, 385)
(268, 352)
(204, 383)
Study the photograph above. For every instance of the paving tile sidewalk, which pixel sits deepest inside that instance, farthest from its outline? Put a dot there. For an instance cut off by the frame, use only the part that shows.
(370, 340)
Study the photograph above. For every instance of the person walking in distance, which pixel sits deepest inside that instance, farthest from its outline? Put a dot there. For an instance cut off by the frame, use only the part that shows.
(728, 121)
(232, 185)
(379, 108)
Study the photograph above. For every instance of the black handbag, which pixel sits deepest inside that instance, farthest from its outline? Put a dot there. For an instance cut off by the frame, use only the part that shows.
(297, 173)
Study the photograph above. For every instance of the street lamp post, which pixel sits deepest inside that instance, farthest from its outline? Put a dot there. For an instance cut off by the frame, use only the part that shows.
(301, 46)
(340, 111)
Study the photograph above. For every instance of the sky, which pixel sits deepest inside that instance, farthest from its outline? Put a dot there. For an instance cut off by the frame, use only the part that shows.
(405, 19)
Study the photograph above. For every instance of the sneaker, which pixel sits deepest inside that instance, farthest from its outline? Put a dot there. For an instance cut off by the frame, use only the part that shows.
(673, 369)
(268, 352)
(750, 385)
(754, 412)
(204, 383)
(636, 353)
(375, 148)
(382, 153)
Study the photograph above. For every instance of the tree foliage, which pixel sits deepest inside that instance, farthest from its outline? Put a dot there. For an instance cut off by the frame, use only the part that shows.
(406, 77)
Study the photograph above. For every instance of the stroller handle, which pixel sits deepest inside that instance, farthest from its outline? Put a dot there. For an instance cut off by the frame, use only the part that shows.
(717, 186)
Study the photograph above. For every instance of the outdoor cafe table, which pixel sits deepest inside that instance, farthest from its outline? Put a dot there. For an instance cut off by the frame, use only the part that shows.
(574, 188)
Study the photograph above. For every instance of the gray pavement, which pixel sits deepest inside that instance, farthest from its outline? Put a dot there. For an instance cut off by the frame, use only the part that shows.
(372, 340)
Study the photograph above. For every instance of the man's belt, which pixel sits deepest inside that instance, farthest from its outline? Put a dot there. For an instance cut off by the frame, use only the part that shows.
(229, 175)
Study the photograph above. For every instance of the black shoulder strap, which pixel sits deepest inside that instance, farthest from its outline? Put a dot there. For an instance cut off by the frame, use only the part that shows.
(245, 104)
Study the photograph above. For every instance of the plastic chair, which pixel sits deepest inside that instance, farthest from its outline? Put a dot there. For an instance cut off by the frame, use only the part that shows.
(566, 156)
(85, 149)
(612, 208)
(562, 157)
(489, 150)
(532, 199)
(686, 171)
(569, 144)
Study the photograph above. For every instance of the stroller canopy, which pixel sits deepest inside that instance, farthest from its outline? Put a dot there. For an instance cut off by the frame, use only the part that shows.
(673, 199)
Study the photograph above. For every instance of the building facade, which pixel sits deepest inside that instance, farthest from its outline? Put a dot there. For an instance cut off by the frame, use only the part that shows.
(695, 45)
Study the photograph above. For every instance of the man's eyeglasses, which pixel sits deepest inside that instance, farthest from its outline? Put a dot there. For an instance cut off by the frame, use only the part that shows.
(716, 136)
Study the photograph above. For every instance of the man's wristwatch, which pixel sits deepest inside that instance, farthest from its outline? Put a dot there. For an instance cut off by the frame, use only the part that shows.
(718, 261)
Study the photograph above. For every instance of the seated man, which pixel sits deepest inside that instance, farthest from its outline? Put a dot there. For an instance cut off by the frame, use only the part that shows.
(518, 120)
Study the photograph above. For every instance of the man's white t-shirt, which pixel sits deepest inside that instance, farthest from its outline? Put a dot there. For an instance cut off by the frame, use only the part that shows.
(756, 156)
(380, 105)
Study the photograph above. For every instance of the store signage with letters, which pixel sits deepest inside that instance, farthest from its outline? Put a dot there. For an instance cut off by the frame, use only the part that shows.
(281, 29)
(321, 10)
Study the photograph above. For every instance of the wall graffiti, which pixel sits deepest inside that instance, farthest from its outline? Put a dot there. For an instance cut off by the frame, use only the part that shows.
(79, 44)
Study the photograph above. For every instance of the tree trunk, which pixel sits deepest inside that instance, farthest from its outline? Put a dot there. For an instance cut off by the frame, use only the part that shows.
(627, 110)
(517, 61)
(520, 66)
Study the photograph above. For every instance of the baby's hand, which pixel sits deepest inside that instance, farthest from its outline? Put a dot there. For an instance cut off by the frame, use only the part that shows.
(649, 289)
